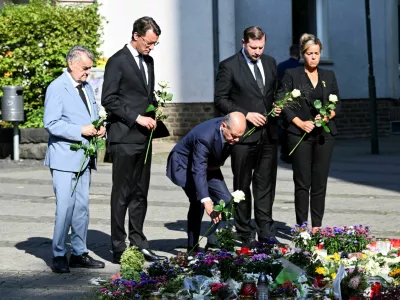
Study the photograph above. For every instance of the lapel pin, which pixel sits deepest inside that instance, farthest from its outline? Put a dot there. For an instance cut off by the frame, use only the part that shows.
(323, 83)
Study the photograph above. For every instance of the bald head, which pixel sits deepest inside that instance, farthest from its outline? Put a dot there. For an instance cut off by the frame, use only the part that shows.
(233, 127)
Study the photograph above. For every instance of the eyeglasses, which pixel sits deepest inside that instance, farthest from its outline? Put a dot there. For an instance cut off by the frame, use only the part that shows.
(149, 44)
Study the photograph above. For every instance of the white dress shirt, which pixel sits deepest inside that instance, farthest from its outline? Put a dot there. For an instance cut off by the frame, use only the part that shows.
(136, 56)
(75, 84)
(251, 66)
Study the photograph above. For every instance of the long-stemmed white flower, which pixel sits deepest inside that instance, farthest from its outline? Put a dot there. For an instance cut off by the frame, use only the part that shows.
(290, 99)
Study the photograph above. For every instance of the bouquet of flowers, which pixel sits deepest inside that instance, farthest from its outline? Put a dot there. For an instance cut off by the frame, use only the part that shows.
(354, 284)
(323, 111)
(95, 143)
(162, 97)
(289, 100)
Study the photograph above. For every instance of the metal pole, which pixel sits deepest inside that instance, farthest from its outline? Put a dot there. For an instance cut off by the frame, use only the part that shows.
(371, 86)
(215, 21)
(16, 141)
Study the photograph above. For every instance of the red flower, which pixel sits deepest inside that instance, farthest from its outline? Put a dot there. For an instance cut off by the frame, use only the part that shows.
(215, 287)
(319, 281)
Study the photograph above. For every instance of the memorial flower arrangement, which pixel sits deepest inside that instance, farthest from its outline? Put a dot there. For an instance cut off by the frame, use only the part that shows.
(303, 272)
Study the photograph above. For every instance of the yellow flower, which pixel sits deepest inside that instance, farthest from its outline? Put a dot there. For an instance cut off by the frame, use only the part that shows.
(320, 271)
(333, 275)
(395, 272)
(8, 74)
(336, 256)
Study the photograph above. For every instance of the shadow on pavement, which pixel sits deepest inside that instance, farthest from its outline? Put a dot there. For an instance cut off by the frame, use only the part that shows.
(353, 162)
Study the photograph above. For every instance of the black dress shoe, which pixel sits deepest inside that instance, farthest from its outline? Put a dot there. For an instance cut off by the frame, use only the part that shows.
(151, 256)
(117, 258)
(249, 242)
(85, 261)
(211, 246)
(60, 264)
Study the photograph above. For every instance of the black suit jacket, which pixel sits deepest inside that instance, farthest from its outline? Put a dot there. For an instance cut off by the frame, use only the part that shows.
(125, 95)
(297, 79)
(236, 90)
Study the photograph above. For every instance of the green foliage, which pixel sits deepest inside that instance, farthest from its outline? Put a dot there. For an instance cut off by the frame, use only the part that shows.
(34, 118)
(172, 286)
(226, 239)
(130, 274)
(132, 258)
(34, 40)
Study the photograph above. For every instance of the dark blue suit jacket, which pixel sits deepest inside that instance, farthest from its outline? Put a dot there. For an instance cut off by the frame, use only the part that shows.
(287, 64)
(197, 155)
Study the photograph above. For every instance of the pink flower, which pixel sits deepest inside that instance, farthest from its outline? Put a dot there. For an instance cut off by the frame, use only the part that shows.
(354, 282)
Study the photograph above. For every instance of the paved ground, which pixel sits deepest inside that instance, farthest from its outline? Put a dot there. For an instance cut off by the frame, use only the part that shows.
(363, 189)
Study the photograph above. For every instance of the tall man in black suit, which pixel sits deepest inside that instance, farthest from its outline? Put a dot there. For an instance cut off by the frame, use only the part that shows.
(128, 89)
(247, 82)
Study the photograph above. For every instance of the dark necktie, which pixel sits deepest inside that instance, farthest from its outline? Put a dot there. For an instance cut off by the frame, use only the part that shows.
(83, 97)
(142, 68)
(259, 78)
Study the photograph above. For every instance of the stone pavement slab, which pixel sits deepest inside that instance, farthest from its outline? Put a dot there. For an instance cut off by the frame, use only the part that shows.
(362, 189)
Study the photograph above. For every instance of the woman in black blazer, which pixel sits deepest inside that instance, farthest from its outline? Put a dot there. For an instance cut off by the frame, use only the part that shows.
(311, 159)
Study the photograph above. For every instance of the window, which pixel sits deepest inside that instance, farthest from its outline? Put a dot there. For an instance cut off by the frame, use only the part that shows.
(303, 18)
(311, 16)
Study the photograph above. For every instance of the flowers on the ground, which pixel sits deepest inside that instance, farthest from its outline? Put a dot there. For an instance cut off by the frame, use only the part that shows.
(296, 273)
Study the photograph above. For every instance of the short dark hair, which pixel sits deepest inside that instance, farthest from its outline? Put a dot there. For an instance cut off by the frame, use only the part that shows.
(143, 24)
(253, 33)
(294, 50)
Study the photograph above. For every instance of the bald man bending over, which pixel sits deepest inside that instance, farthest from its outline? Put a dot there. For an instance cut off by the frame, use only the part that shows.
(194, 164)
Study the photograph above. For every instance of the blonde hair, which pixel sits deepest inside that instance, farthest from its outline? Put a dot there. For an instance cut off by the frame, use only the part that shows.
(307, 40)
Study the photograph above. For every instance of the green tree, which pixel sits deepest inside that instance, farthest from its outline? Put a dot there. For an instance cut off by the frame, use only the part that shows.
(34, 40)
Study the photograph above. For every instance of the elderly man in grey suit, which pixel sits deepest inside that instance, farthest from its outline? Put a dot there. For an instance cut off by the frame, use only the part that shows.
(69, 110)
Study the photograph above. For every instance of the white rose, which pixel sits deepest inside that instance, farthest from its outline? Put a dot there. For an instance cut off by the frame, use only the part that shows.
(296, 93)
(238, 196)
(102, 114)
(163, 84)
(333, 98)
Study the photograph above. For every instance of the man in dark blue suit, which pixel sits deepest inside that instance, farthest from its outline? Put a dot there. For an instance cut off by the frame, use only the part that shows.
(291, 63)
(194, 164)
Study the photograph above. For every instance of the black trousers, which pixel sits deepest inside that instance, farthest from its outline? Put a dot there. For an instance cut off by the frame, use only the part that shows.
(218, 191)
(255, 164)
(310, 164)
(131, 178)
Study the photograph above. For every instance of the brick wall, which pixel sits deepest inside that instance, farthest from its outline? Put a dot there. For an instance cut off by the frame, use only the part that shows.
(352, 121)
(354, 117)
(182, 117)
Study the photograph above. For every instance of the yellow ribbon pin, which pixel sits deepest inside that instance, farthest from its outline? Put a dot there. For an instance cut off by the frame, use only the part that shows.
(323, 83)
